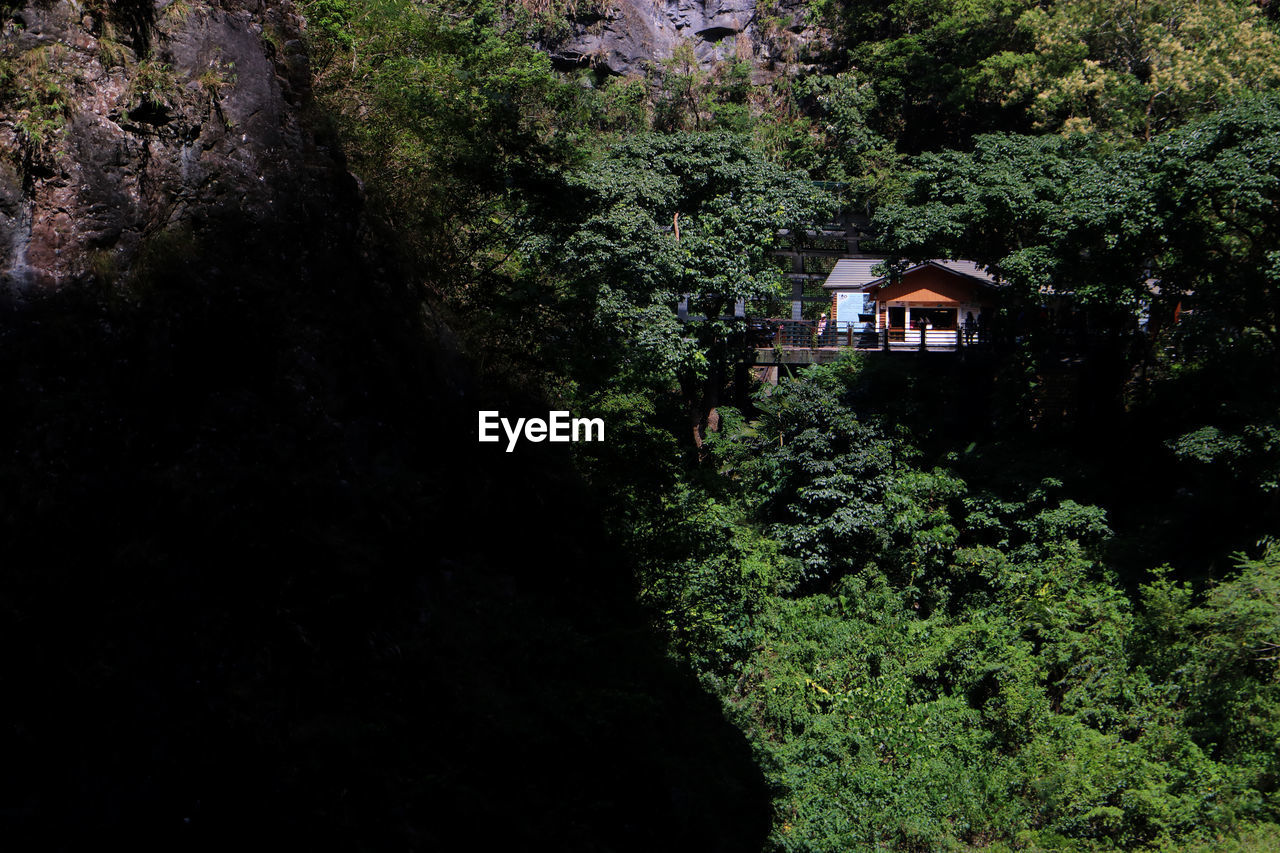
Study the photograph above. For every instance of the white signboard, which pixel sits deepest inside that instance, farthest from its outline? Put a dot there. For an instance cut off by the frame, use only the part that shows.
(849, 306)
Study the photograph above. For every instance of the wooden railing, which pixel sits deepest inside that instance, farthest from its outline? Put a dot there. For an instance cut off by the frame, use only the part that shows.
(805, 334)
(809, 334)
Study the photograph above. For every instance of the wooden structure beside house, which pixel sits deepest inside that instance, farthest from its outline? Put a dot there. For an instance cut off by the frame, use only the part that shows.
(809, 255)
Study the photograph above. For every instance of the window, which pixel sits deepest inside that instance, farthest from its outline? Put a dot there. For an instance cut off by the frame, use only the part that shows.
(937, 318)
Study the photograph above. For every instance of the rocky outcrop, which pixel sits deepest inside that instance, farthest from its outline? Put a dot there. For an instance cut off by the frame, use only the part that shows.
(629, 36)
(123, 120)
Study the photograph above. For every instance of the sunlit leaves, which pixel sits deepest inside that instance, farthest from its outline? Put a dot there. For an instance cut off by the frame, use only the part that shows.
(1138, 69)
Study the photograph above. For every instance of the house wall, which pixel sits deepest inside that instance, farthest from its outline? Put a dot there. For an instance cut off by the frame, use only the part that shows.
(931, 285)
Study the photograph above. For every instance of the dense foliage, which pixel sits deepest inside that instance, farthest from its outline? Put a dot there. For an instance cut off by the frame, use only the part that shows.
(968, 668)
(670, 218)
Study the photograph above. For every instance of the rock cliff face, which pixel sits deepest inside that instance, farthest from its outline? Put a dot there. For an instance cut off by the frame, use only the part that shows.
(628, 36)
(123, 120)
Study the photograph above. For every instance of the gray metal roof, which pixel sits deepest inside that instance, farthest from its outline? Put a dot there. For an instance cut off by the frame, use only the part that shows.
(852, 273)
(856, 274)
(968, 268)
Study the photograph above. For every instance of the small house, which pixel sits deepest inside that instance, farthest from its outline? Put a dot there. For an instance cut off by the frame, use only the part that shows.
(944, 300)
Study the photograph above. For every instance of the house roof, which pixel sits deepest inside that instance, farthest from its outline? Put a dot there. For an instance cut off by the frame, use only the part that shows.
(852, 273)
(856, 273)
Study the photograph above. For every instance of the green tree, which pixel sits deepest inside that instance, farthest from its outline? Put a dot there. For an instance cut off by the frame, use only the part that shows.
(818, 474)
(858, 154)
(1195, 210)
(925, 65)
(685, 98)
(1218, 661)
(459, 132)
(669, 216)
(995, 204)
(1135, 69)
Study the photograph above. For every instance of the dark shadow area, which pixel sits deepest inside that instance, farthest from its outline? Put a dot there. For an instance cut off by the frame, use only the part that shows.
(134, 19)
(260, 582)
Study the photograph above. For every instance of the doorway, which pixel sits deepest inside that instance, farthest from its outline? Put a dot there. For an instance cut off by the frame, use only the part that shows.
(897, 323)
